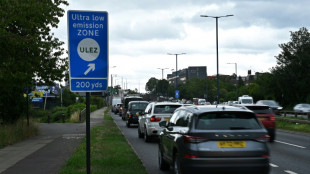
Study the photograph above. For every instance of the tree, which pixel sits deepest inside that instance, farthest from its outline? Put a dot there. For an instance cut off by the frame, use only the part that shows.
(29, 51)
(292, 71)
(151, 85)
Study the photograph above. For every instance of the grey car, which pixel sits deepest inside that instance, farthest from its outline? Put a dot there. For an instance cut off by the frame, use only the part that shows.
(155, 112)
(213, 139)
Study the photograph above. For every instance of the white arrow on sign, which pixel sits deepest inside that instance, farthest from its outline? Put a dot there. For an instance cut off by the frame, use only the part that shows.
(91, 67)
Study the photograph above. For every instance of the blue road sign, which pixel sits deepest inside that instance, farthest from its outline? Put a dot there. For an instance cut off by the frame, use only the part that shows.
(88, 50)
(177, 93)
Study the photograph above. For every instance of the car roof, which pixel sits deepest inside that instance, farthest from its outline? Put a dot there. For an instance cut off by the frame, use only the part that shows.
(167, 103)
(138, 102)
(213, 108)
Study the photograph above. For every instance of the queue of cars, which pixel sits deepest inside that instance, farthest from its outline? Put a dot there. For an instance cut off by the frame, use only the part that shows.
(199, 138)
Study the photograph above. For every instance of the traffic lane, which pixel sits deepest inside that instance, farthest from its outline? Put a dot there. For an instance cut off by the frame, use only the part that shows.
(284, 158)
(147, 152)
(289, 156)
(293, 138)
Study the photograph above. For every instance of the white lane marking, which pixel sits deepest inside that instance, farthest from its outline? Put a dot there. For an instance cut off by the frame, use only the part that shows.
(290, 172)
(273, 165)
(290, 144)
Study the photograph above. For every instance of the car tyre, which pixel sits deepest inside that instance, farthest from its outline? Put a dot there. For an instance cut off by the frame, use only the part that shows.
(176, 165)
(272, 136)
(128, 123)
(163, 165)
(147, 138)
(140, 134)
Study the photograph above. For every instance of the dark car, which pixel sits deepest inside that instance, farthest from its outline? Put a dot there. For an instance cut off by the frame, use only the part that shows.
(117, 108)
(125, 104)
(265, 114)
(213, 139)
(272, 104)
(133, 108)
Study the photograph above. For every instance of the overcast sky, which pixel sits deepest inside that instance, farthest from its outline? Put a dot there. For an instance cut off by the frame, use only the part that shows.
(142, 32)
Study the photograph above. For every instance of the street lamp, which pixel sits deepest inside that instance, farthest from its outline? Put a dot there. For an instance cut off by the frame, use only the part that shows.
(176, 68)
(111, 76)
(236, 79)
(217, 53)
(162, 72)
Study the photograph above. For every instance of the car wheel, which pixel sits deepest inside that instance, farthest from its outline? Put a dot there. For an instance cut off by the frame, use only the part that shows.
(272, 136)
(176, 165)
(163, 165)
(147, 138)
(128, 123)
(140, 134)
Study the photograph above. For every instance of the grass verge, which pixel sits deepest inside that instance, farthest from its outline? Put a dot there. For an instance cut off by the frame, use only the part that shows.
(298, 127)
(110, 152)
(12, 133)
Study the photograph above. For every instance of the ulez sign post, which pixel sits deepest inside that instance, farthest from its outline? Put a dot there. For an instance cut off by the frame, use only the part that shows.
(88, 58)
(88, 50)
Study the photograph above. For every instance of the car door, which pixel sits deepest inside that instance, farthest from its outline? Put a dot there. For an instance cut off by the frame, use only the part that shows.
(142, 118)
(169, 135)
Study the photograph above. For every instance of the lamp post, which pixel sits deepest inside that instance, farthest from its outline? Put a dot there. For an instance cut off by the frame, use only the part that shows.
(112, 77)
(162, 78)
(162, 72)
(236, 79)
(176, 68)
(217, 53)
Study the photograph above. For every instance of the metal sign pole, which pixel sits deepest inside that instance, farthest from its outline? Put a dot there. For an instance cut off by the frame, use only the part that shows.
(88, 132)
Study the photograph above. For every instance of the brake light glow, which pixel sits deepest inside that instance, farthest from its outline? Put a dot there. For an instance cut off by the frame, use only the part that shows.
(155, 119)
(272, 118)
(191, 156)
(193, 139)
(129, 116)
(263, 139)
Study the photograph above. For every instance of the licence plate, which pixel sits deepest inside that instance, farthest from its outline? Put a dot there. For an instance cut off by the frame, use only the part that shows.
(261, 119)
(167, 119)
(227, 144)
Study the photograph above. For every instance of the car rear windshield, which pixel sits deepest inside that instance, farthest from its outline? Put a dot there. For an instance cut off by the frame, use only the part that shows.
(138, 106)
(162, 109)
(260, 109)
(227, 121)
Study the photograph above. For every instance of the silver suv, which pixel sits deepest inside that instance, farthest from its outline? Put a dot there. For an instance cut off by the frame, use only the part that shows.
(153, 114)
(213, 139)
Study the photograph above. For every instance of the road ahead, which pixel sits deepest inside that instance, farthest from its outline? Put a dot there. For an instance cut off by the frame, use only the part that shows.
(290, 153)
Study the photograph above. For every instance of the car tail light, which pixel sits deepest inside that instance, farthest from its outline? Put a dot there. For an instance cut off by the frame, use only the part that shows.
(191, 156)
(194, 139)
(155, 119)
(263, 139)
(265, 156)
(130, 115)
(272, 118)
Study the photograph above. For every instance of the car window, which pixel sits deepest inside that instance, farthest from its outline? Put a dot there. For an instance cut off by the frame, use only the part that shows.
(184, 119)
(148, 109)
(138, 106)
(174, 117)
(162, 109)
(227, 121)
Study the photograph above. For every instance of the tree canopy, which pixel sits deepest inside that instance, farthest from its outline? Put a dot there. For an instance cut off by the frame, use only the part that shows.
(292, 72)
(29, 51)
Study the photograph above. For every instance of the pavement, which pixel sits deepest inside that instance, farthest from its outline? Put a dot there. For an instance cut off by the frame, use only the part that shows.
(49, 151)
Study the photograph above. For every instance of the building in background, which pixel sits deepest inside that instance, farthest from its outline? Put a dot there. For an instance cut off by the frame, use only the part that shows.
(187, 74)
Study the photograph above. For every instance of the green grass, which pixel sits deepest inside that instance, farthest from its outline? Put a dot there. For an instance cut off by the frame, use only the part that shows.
(12, 133)
(293, 126)
(110, 153)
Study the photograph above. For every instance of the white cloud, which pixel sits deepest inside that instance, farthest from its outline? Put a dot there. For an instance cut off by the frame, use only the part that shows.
(141, 33)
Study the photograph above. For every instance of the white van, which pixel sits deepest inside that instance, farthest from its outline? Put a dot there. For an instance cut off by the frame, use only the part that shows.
(245, 99)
